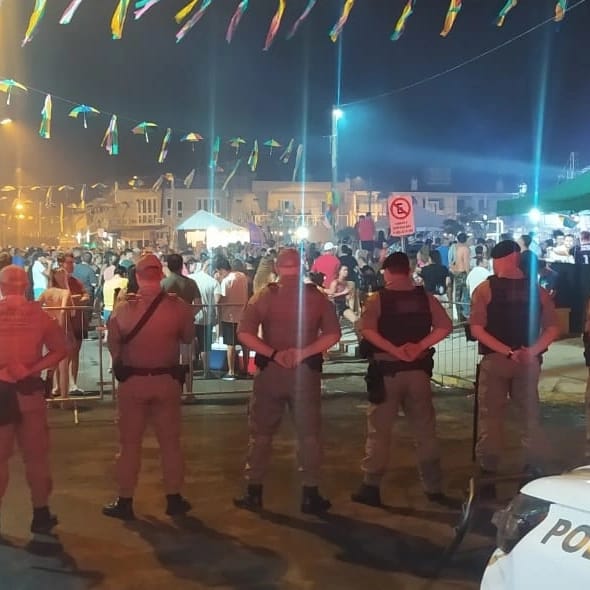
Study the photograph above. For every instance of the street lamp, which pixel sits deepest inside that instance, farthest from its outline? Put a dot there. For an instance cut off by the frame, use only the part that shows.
(337, 114)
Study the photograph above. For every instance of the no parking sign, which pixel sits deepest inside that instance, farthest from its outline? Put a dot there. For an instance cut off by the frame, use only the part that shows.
(401, 215)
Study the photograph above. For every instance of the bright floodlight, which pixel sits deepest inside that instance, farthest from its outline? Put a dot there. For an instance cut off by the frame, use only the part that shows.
(535, 216)
(337, 113)
(6, 121)
(302, 233)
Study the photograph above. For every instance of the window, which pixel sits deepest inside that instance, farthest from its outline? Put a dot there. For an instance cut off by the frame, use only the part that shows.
(168, 207)
(179, 208)
(217, 205)
(460, 205)
(481, 206)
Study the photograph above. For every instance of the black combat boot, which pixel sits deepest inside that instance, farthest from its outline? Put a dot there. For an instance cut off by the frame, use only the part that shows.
(121, 508)
(251, 500)
(177, 505)
(367, 494)
(312, 502)
(43, 521)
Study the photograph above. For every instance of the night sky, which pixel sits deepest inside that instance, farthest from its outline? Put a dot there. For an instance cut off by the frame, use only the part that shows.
(481, 119)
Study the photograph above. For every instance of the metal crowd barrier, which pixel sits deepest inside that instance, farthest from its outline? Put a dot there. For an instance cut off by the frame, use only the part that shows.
(91, 355)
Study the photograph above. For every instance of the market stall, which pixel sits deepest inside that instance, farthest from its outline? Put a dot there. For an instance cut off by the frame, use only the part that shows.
(212, 230)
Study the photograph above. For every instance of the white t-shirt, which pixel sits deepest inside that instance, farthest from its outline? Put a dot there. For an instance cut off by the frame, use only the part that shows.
(234, 292)
(209, 289)
(39, 278)
(475, 277)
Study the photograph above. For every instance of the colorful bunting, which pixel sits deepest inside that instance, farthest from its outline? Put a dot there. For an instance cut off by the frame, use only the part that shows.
(69, 12)
(119, 17)
(142, 6)
(45, 128)
(188, 181)
(300, 20)
(184, 12)
(510, 4)
(231, 175)
(165, 144)
(560, 10)
(8, 85)
(235, 20)
(35, 20)
(275, 24)
(401, 23)
(83, 110)
(110, 140)
(337, 29)
(286, 155)
(452, 13)
(298, 160)
(253, 159)
(193, 21)
(143, 128)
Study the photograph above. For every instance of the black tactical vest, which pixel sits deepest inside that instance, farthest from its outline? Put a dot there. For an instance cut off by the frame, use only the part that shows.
(405, 316)
(514, 312)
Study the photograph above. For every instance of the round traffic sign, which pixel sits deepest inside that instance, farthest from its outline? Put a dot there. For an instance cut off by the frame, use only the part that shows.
(400, 208)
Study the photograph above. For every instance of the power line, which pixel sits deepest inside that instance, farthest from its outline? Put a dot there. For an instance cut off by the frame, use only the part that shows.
(459, 65)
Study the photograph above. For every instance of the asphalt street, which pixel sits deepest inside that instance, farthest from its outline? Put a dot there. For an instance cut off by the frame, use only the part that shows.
(403, 545)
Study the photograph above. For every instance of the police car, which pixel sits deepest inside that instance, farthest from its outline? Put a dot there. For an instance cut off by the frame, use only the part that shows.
(544, 536)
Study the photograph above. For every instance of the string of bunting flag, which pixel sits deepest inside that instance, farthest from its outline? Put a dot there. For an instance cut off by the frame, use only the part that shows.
(147, 129)
(190, 15)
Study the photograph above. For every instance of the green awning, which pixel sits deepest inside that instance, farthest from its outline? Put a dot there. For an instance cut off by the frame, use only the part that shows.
(573, 195)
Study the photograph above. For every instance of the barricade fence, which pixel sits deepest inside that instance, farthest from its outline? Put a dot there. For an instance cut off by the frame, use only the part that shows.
(454, 363)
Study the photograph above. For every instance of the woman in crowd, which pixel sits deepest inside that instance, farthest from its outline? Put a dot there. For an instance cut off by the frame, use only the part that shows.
(57, 298)
(265, 273)
(338, 292)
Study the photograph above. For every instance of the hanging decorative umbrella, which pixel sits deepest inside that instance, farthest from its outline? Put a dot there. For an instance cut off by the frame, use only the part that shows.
(65, 187)
(236, 142)
(83, 110)
(272, 143)
(8, 188)
(143, 128)
(8, 85)
(99, 185)
(192, 138)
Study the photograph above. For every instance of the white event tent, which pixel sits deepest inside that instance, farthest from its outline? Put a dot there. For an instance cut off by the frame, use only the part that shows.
(213, 230)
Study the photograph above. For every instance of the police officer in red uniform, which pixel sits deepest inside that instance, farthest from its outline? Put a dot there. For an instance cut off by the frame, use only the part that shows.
(399, 326)
(25, 331)
(514, 321)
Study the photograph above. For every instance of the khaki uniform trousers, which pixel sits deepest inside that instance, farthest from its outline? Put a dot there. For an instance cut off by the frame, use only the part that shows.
(277, 388)
(500, 378)
(32, 436)
(411, 391)
(155, 400)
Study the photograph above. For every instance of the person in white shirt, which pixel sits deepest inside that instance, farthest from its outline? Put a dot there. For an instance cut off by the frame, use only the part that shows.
(479, 273)
(40, 275)
(206, 317)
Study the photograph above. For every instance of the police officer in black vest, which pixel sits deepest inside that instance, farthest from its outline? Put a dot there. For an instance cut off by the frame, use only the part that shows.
(399, 326)
(514, 321)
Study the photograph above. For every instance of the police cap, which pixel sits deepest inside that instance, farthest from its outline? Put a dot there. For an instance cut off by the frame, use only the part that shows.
(505, 248)
(149, 261)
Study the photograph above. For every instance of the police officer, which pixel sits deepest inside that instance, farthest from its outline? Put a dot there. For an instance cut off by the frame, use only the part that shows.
(25, 330)
(150, 384)
(400, 324)
(298, 325)
(514, 321)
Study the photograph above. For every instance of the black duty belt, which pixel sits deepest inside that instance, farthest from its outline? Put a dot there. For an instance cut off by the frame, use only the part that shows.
(314, 362)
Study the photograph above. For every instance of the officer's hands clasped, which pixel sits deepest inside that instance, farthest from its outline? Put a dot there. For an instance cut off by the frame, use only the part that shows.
(290, 358)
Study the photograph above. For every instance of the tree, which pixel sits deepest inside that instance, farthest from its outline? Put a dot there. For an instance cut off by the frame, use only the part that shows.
(452, 226)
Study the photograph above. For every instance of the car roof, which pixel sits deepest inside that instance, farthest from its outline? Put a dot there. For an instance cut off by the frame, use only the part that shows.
(569, 489)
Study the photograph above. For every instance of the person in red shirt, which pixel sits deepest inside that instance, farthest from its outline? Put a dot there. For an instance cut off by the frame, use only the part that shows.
(366, 232)
(328, 264)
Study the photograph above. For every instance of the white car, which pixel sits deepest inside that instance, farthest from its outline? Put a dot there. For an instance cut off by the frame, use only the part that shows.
(544, 536)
